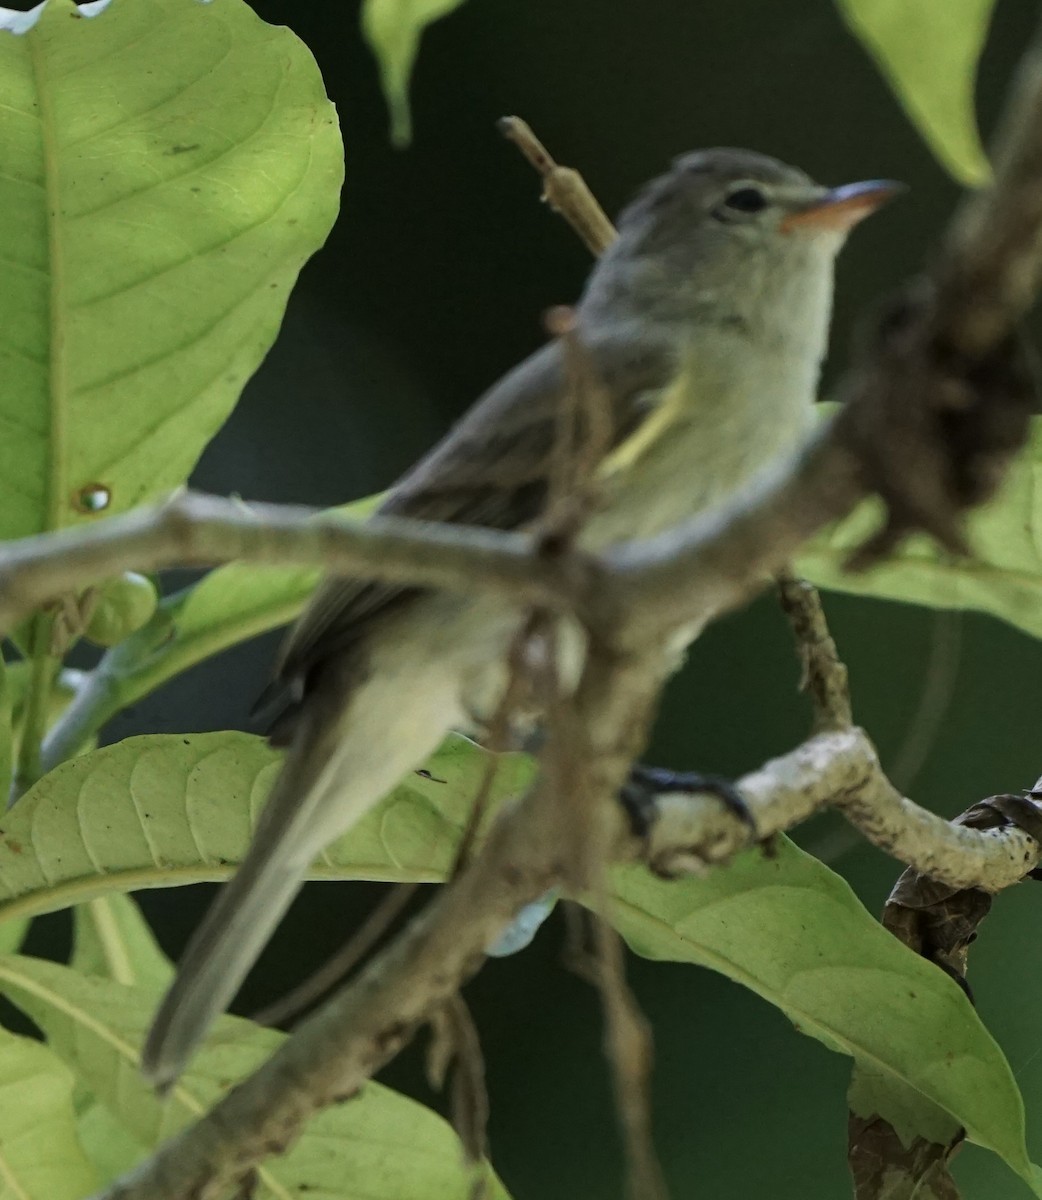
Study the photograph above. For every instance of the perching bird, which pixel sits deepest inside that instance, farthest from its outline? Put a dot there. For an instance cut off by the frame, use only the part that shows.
(705, 322)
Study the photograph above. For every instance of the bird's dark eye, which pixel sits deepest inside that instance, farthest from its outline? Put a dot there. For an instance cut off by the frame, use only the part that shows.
(746, 200)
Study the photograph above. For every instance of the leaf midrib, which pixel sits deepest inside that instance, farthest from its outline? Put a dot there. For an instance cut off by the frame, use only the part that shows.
(57, 382)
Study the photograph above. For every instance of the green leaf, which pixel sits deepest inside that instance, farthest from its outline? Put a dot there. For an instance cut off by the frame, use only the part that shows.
(161, 810)
(107, 1142)
(1004, 576)
(873, 1091)
(380, 1145)
(7, 745)
(40, 1154)
(393, 29)
(12, 934)
(112, 939)
(150, 241)
(928, 50)
(794, 932)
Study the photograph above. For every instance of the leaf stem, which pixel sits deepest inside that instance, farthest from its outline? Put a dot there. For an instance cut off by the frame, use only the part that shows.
(43, 674)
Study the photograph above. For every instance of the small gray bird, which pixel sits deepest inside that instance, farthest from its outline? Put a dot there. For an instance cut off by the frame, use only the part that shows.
(706, 322)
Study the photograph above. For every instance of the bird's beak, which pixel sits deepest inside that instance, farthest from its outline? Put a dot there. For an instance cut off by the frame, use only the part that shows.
(840, 208)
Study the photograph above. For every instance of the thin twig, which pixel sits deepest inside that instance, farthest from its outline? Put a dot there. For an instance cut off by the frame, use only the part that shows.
(630, 1051)
(456, 1047)
(199, 530)
(824, 675)
(564, 189)
(341, 963)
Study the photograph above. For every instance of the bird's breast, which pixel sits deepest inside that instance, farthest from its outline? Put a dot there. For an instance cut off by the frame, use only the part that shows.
(732, 408)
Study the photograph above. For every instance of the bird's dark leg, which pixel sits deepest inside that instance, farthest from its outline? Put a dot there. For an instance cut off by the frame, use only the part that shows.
(645, 783)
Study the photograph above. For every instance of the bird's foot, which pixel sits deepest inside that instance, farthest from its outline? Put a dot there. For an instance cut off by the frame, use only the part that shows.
(645, 783)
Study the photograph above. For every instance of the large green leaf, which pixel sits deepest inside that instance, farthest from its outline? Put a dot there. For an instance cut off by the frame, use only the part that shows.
(393, 29)
(928, 50)
(793, 931)
(40, 1154)
(163, 809)
(381, 1145)
(1003, 577)
(167, 169)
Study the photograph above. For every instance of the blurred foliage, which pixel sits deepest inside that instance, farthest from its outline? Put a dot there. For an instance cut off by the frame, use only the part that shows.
(928, 50)
(393, 28)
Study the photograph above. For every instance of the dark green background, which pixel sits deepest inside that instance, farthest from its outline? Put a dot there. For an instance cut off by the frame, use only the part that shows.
(432, 284)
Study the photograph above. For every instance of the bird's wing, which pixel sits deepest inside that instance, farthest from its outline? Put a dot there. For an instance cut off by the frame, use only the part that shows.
(491, 470)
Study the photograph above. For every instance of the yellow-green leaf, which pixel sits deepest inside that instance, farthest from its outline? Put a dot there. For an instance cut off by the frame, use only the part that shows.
(393, 29)
(793, 931)
(928, 50)
(381, 1145)
(40, 1154)
(1003, 577)
(167, 169)
(163, 809)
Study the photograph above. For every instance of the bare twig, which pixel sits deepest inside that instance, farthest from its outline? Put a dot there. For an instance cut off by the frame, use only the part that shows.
(198, 530)
(630, 1051)
(564, 189)
(456, 1047)
(824, 676)
(837, 769)
(342, 962)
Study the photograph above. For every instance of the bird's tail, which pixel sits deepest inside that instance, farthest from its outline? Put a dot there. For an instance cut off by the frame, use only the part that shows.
(338, 766)
(237, 927)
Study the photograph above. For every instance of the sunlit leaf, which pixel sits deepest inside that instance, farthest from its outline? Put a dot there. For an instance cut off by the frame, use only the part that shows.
(928, 50)
(107, 1142)
(167, 169)
(112, 939)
